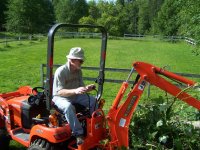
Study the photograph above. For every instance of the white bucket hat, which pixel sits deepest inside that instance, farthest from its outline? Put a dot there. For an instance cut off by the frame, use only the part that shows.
(76, 53)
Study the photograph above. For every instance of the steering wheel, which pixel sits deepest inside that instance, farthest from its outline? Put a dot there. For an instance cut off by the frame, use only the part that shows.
(37, 96)
(37, 90)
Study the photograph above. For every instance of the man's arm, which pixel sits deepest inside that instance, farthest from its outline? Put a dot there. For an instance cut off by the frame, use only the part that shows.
(70, 92)
(80, 90)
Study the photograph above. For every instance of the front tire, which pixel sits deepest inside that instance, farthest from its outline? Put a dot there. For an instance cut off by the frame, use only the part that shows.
(41, 144)
(4, 139)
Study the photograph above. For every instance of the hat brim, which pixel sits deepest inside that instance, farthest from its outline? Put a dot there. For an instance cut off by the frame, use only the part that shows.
(72, 57)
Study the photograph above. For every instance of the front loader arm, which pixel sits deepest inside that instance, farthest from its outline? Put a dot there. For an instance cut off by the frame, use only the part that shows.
(120, 114)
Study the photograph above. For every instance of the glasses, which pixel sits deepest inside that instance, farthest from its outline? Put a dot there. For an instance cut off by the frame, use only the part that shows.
(79, 60)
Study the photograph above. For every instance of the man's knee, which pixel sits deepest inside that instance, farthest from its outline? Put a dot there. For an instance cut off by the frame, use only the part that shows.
(69, 108)
(64, 105)
(93, 101)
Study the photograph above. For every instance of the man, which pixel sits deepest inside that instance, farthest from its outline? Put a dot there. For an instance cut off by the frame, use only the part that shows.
(69, 89)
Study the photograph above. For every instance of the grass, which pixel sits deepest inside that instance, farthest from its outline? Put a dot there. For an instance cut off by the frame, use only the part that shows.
(20, 62)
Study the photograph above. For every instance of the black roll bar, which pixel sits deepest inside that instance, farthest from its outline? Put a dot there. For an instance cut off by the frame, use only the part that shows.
(50, 54)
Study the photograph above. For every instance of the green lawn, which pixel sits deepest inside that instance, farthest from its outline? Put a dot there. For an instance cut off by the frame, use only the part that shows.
(20, 62)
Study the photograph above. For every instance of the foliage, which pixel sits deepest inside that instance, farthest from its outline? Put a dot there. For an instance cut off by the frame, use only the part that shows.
(143, 21)
(3, 8)
(130, 18)
(157, 125)
(87, 20)
(167, 22)
(190, 18)
(94, 11)
(109, 17)
(27, 16)
(70, 11)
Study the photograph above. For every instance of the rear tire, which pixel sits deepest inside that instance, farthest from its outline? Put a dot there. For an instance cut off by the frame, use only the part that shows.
(4, 139)
(41, 144)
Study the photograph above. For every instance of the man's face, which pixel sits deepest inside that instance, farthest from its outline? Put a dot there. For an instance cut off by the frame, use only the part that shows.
(76, 64)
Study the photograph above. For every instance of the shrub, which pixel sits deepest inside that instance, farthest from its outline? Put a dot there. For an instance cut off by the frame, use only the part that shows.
(158, 126)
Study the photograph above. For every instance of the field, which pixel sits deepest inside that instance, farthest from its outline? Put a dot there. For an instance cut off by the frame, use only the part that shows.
(20, 62)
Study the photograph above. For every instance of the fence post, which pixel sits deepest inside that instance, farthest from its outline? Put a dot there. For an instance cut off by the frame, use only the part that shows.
(148, 89)
(42, 74)
(19, 38)
(6, 43)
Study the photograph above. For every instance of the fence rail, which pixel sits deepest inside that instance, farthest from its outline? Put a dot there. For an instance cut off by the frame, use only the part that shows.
(6, 39)
(43, 75)
(168, 38)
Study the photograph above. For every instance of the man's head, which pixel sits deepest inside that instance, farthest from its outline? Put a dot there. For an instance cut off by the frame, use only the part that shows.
(76, 57)
(76, 53)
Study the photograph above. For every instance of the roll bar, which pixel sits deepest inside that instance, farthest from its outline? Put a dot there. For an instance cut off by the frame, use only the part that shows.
(50, 55)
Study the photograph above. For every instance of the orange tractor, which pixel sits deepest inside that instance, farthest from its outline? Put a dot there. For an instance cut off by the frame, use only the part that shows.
(26, 114)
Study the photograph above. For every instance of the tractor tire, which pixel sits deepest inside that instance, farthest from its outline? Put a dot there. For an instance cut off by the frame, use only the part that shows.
(4, 139)
(41, 144)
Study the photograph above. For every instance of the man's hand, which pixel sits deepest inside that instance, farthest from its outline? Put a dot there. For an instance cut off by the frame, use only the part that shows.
(80, 90)
(85, 89)
(90, 87)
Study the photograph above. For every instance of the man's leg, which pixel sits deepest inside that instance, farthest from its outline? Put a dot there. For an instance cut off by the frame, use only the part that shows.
(69, 111)
(83, 99)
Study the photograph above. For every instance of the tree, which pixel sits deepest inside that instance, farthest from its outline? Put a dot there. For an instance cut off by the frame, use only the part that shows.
(70, 11)
(154, 7)
(167, 22)
(109, 17)
(143, 17)
(81, 9)
(3, 8)
(27, 16)
(121, 2)
(87, 20)
(190, 19)
(131, 17)
(94, 11)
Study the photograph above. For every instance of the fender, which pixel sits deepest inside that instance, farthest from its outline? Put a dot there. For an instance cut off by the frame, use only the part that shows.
(53, 135)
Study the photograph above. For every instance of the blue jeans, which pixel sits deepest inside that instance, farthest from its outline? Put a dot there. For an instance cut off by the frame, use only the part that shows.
(66, 106)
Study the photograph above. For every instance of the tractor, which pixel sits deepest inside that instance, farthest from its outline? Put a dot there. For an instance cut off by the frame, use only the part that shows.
(28, 117)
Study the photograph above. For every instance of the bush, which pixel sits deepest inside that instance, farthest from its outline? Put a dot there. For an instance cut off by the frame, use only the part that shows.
(157, 126)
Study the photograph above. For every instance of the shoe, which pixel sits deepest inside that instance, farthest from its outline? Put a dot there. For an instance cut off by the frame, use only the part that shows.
(79, 140)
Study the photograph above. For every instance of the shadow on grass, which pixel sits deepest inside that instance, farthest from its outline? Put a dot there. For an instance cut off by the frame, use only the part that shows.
(4, 49)
(8, 47)
(16, 146)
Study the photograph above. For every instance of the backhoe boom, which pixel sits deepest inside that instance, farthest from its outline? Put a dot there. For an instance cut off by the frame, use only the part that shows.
(120, 114)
